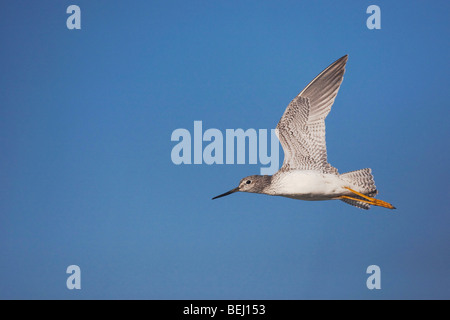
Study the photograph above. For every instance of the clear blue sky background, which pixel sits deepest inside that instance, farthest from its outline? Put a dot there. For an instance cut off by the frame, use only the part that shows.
(86, 176)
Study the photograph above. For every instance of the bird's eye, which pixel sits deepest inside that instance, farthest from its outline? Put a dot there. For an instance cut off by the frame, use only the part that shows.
(248, 182)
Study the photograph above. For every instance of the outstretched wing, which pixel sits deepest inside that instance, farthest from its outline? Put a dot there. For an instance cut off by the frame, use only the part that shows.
(301, 129)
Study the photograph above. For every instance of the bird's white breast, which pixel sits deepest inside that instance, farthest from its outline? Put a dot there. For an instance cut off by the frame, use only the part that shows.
(306, 185)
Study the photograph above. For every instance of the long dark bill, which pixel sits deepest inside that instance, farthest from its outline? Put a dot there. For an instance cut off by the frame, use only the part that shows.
(227, 193)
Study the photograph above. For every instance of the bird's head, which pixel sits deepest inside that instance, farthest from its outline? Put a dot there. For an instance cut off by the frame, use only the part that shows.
(253, 184)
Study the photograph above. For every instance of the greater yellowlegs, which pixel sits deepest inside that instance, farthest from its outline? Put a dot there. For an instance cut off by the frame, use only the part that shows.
(306, 173)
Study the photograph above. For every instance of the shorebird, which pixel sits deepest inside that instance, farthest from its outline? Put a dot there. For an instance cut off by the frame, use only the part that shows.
(306, 173)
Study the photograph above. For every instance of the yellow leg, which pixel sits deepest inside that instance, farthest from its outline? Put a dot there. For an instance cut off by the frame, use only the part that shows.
(356, 199)
(372, 201)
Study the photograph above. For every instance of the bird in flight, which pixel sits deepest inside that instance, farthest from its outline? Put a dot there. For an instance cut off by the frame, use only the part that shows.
(306, 173)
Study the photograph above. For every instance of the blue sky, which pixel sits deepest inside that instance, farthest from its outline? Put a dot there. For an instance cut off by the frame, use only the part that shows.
(86, 177)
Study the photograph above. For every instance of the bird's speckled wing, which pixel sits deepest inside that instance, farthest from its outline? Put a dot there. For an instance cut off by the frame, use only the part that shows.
(301, 129)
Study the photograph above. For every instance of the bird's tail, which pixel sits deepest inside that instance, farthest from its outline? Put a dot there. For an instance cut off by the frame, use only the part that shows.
(363, 181)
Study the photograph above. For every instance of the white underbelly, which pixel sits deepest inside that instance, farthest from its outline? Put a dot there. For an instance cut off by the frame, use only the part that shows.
(308, 185)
